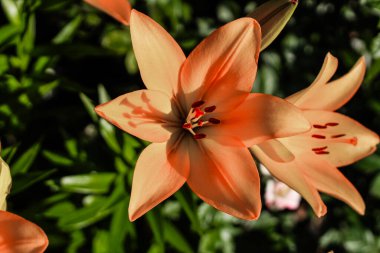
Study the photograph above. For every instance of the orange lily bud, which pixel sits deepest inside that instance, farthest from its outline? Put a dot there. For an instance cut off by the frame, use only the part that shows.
(272, 17)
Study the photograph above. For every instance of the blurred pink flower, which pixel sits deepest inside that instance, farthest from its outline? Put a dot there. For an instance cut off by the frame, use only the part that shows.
(279, 196)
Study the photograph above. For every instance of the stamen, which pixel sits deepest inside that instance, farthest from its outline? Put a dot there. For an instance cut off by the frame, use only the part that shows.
(214, 121)
(200, 123)
(199, 136)
(186, 125)
(197, 104)
(332, 124)
(322, 152)
(210, 108)
(352, 141)
(318, 136)
(320, 126)
(293, 1)
(338, 135)
(320, 149)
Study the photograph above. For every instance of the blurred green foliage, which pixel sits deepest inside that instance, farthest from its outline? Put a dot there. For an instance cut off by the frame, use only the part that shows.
(72, 171)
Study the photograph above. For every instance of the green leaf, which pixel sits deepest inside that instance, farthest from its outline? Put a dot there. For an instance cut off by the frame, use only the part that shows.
(77, 240)
(11, 11)
(69, 31)
(100, 242)
(97, 210)
(103, 95)
(272, 17)
(89, 106)
(57, 159)
(155, 224)
(71, 147)
(120, 227)
(60, 209)
(8, 33)
(88, 183)
(375, 187)
(369, 164)
(84, 217)
(23, 182)
(174, 237)
(189, 208)
(22, 165)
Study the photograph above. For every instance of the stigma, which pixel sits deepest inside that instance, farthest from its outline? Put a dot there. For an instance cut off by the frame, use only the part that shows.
(197, 118)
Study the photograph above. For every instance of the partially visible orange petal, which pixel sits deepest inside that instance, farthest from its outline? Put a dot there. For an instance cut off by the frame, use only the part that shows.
(5, 183)
(161, 170)
(291, 173)
(146, 114)
(324, 95)
(158, 55)
(343, 140)
(328, 69)
(260, 117)
(276, 151)
(118, 9)
(225, 177)
(18, 235)
(327, 178)
(224, 63)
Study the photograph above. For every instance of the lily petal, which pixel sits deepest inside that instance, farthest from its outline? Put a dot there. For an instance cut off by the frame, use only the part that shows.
(224, 63)
(118, 9)
(330, 96)
(344, 140)
(158, 55)
(146, 114)
(5, 183)
(18, 235)
(225, 177)
(260, 117)
(327, 178)
(276, 151)
(292, 174)
(160, 171)
(330, 64)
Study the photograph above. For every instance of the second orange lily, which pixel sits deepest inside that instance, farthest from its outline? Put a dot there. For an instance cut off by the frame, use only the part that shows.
(307, 162)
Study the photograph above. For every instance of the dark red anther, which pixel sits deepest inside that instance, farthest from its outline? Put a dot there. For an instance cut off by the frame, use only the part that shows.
(320, 126)
(322, 152)
(197, 104)
(210, 108)
(318, 136)
(199, 136)
(332, 124)
(198, 112)
(186, 125)
(320, 149)
(214, 121)
(338, 135)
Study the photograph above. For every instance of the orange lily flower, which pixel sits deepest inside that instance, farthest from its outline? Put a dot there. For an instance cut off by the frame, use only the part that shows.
(18, 235)
(118, 9)
(201, 117)
(308, 162)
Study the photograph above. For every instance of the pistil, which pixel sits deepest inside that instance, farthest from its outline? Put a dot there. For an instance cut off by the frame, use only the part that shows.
(194, 119)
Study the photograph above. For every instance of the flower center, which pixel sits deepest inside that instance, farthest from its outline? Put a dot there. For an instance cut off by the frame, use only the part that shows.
(196, 119)
(336, 138)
